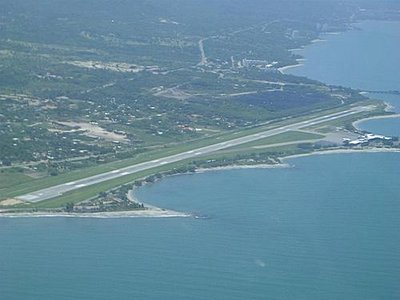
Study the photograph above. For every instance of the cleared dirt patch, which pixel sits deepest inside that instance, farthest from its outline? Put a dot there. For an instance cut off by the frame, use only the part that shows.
(110, 66)
(9, 202)
(93, 130)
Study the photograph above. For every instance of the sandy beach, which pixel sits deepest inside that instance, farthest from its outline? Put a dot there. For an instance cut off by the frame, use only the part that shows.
(148, 213)
(283, 69)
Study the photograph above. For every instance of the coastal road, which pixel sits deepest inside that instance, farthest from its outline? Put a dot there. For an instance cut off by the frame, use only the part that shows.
(61, 189)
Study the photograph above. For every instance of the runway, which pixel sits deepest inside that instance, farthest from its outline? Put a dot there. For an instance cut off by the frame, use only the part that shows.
(61, 189)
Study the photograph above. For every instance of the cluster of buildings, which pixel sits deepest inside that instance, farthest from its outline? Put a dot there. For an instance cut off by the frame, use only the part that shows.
(256, 63)
(365, 139)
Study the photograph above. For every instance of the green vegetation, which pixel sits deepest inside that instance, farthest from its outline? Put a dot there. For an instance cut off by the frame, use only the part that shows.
(287, 137)
(12, 177)
(83, 93)
(69, 74)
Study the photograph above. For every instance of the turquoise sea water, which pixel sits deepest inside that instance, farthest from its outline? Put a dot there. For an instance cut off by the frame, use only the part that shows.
(327, 228)
(367, 58)
(388, 127)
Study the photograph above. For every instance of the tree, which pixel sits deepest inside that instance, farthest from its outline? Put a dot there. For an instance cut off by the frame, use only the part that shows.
(69, 207)
(6, 162)
(150, 179)
(138, 183)
(53, 171)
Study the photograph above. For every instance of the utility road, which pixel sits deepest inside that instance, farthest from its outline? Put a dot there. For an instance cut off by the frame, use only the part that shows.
(58, 190)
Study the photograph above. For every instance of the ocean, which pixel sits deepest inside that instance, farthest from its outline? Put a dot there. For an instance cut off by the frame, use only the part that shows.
(366, 58)
(324, 228)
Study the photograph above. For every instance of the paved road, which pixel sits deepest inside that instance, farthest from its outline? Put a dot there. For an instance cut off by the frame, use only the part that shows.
(58, 190)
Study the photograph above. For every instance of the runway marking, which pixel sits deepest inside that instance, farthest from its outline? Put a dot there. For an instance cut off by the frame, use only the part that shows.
(80, 185)
(70, 183)
(115, 171)
(125, 173)
(28, 197)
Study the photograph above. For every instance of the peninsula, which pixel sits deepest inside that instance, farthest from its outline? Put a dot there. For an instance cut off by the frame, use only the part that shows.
(88, 112)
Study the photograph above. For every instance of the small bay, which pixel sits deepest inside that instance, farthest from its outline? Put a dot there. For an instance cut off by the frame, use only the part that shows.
(386, 126)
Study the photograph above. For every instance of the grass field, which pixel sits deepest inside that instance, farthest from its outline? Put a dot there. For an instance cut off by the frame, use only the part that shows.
(11, 177)
(290, 136)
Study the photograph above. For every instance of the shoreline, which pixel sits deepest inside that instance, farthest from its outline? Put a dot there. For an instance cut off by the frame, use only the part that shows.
(282, 165)
(341, 151)
(358, 122)
(283, 69)
(148, 213)
(241, 167)
(156, 212)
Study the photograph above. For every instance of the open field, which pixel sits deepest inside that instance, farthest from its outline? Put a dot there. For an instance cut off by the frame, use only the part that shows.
(12, 178)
